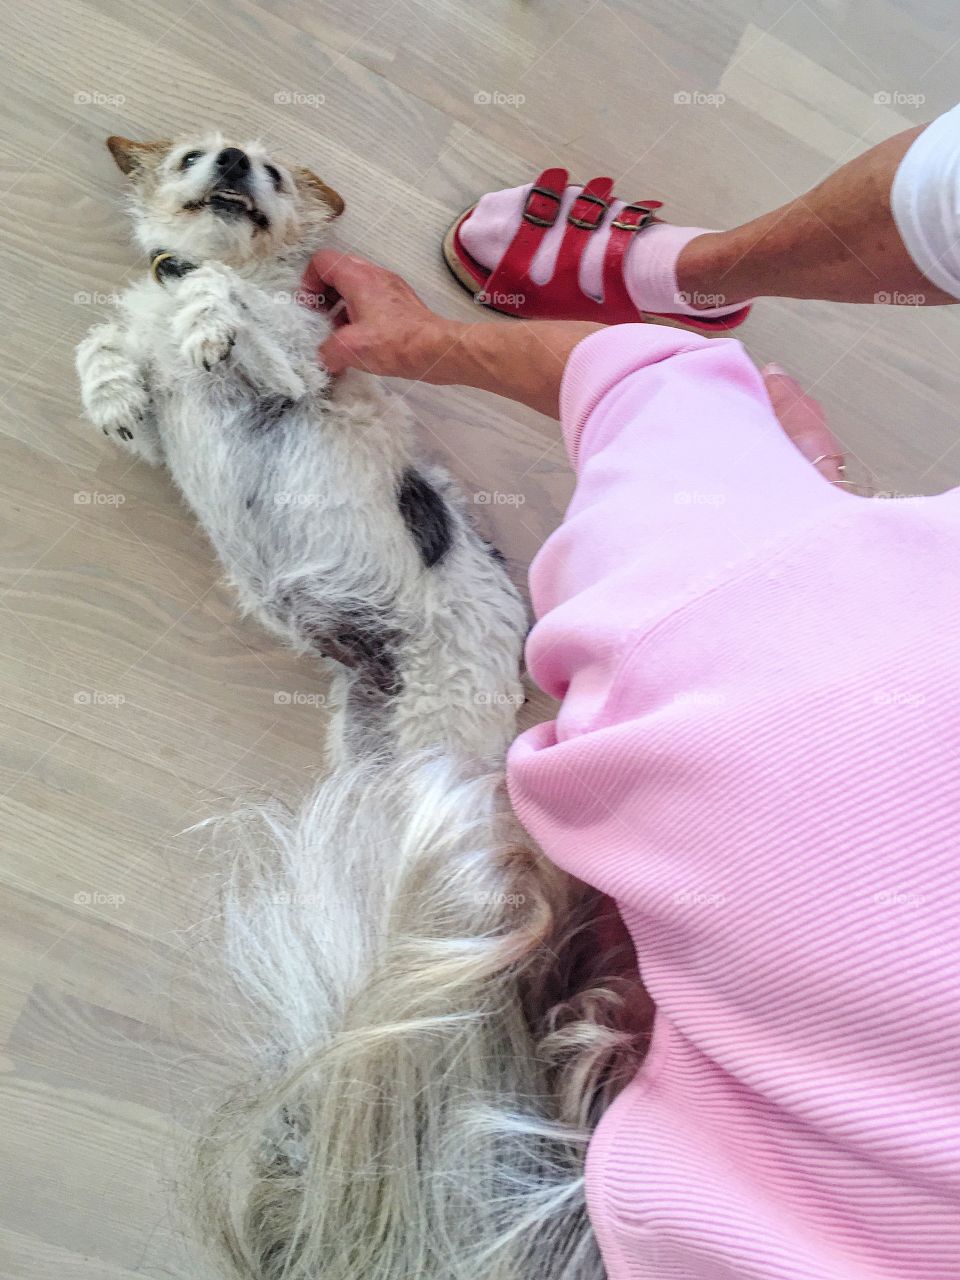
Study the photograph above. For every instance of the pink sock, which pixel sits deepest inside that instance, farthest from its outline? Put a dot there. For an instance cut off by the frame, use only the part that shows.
(650, 265)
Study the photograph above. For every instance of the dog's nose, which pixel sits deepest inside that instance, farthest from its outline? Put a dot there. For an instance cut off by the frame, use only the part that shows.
(233, 161)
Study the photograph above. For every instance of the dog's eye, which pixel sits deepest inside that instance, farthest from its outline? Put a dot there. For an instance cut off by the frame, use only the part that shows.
(190, 158)
(273, 173)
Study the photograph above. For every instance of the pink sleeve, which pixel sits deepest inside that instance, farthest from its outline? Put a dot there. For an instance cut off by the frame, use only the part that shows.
(756, 759)
(673, 435)
(684, 475)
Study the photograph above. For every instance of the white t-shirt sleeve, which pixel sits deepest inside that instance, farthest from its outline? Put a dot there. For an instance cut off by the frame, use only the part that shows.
(925, 199)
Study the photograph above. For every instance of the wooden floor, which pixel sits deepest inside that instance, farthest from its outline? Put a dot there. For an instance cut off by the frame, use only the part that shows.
(134, 701)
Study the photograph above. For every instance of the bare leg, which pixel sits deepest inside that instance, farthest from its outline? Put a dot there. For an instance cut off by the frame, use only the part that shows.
(838, 242)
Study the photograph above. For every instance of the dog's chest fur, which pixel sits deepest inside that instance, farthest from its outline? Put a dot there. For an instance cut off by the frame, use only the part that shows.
(331, 530)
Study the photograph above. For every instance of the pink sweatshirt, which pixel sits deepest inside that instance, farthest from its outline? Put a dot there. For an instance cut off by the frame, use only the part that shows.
(757, 757)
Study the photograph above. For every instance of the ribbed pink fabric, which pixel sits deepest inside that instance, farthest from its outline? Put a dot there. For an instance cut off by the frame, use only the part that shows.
(757, 757)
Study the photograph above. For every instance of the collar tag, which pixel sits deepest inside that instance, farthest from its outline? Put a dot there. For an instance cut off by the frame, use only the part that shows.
(164, 265)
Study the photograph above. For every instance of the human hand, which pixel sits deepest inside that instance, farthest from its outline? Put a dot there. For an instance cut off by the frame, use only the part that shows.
(387, 330)
(804, 421)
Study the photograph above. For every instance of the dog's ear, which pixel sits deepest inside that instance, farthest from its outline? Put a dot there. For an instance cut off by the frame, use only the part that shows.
(135, 158)
(312, 188)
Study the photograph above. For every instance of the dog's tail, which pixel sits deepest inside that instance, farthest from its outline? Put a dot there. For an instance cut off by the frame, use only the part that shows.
(423, 1054)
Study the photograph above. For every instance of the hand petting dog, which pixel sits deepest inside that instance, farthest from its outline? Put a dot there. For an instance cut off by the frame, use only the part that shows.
(386, 329)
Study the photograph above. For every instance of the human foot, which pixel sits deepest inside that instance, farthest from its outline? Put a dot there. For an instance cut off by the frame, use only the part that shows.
(570, 247)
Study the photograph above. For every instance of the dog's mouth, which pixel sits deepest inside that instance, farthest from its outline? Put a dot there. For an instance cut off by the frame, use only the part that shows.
(230, 204)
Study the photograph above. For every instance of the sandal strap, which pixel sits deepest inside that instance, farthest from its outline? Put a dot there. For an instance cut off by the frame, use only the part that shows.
(540, 212)
(561, 294)
(586, 214)
(630, 221)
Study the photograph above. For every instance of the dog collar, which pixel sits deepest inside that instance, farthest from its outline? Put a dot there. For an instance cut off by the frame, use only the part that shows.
(165, 266)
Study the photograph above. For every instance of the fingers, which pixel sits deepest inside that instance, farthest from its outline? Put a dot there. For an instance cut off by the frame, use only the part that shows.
(331, 274)
(804, 421)
(338, 352)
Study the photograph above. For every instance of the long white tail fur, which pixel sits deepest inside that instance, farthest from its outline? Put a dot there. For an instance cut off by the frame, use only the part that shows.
(422, 1045)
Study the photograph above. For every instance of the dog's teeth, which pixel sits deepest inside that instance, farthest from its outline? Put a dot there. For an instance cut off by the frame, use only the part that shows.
(233, 195)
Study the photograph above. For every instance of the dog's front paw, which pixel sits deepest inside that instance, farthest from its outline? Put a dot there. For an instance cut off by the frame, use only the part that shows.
(206, 319)
(123, 413)
(208, 345)
(114, 392)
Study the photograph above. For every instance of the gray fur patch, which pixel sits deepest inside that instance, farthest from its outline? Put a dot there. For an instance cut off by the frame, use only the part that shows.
(425, 514)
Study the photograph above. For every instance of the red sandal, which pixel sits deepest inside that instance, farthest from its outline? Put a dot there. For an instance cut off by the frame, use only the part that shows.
(509, 289)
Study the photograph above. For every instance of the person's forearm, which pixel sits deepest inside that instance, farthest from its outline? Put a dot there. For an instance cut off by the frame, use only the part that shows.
(838, 242)
(521, 361)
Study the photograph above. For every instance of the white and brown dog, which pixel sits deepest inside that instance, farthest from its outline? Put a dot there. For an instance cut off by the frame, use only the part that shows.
(421, 1053)
(333, 533)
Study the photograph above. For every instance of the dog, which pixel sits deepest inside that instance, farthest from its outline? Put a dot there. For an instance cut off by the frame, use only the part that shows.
(426, 1042)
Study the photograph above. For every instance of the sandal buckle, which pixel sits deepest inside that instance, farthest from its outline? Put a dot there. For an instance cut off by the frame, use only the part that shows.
(588, 224)
(533, 217)
(646, 217)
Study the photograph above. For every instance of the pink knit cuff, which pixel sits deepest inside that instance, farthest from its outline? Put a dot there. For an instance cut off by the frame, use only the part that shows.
(601, 361)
